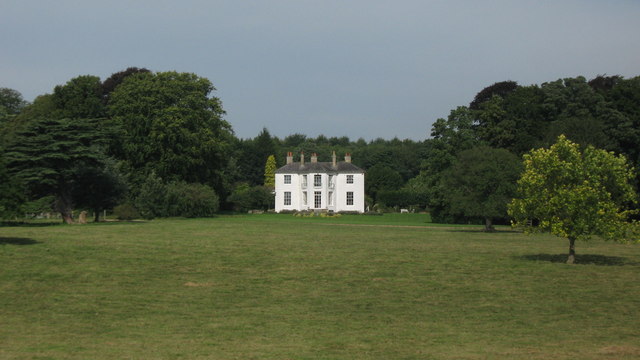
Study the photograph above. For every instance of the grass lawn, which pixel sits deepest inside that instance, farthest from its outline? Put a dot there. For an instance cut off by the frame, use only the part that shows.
(280, 287)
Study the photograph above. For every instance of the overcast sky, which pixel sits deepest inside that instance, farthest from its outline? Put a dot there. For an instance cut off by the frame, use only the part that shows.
(356, 68)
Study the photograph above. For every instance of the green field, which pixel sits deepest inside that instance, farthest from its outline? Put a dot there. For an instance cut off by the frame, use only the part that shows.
(280, 287)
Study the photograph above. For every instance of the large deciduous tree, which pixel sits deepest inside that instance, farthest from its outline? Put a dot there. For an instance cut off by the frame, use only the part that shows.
(575, 194)
(449, 137)
(80, 97)
(170, 125)
(381, 177)
(481, 183)
(11, 103)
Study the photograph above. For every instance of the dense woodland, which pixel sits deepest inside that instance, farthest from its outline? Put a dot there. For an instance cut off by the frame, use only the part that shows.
(156, 144)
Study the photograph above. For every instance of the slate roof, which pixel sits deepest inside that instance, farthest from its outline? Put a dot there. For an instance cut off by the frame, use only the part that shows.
(320, 167)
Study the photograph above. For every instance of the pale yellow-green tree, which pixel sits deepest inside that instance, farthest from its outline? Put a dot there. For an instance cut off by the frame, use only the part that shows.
(575, 194)
(270, 172)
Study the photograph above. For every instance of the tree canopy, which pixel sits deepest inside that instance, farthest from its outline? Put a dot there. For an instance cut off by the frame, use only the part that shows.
(575, 194)
(48, 155)
(170, 125)
(481, 183)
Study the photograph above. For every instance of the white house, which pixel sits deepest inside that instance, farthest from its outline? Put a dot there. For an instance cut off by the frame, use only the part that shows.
(330, 186)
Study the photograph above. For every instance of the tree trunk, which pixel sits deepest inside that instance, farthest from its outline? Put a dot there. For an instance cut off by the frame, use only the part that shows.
(572, 251)
(63, 206)
(96, 215)
(488, 224)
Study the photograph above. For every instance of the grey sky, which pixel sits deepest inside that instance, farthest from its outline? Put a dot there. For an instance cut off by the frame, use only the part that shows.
(340, 68)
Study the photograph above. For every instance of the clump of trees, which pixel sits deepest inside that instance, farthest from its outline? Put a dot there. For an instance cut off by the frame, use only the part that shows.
(602, 113)
(94, 145)
(144, 141)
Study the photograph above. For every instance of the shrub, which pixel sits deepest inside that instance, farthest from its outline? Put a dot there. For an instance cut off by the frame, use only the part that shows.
(191, 200)
(246, 198)
(178, 198)
(152, 198)
(126, 211)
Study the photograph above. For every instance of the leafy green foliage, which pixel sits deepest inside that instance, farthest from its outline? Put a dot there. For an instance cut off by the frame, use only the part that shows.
(253, 154)
(270, 172)
(126, 211)
(11, 193)
(575, 194)
(403, 198)
(176, 198)
(381, 177)
(46, 157)
(481, 183)
(80, 97)
(499, 89)
(190, 200)
(99, 188)
(449, 137)
(11, 103)
(169, 125)
(150, 201)
(246, 197)
(116, 79)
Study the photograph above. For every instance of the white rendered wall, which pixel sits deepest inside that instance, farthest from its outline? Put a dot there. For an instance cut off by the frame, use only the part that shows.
(338, 187)
(281, 188)
(358, 193)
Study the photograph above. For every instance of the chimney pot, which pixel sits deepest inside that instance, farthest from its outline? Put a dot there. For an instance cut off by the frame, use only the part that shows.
(289, 158)
(314, 158)
(347, 158)
(333, 159)
(301, 158)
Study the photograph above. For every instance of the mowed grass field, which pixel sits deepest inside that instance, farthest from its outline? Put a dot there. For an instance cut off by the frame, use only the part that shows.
(280, 287)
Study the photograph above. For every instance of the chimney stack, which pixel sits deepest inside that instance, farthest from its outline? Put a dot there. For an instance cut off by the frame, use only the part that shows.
(314, 158)
(301, 158)
(289, 158)
(347, 158)
(333, 159)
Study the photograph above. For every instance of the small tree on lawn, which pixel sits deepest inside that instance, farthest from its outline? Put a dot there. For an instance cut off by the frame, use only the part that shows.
(575, 194)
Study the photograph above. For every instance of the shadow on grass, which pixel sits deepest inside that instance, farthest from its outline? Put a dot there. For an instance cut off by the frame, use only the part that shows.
(482, 230)
(581, 259)
(117, 222)
(17, 241)
(28, 224)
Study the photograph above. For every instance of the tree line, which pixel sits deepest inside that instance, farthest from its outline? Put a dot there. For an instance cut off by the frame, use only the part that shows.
(157, 144)
(153, 144)
(474, 156)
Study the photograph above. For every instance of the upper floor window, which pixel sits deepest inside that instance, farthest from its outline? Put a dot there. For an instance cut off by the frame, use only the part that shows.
(349, 179)
(287, 179)
(317, 180)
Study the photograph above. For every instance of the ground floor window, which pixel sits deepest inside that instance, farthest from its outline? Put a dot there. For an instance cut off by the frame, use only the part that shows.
(304, 198)
(330, 198)
(349, 197)
(287, 197)
(317, 199)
